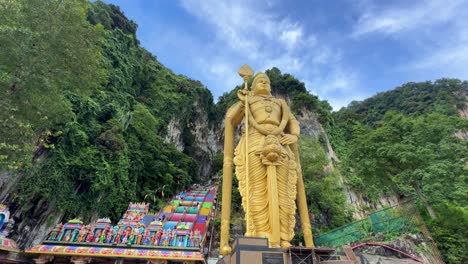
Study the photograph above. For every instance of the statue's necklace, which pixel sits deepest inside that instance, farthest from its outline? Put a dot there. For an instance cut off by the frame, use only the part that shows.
(268, 105)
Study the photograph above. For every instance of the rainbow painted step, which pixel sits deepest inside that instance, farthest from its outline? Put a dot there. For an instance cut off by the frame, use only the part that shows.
(179, 227)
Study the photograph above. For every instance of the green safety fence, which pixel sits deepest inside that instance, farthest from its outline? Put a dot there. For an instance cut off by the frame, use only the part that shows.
(351, 232)
(394, 220)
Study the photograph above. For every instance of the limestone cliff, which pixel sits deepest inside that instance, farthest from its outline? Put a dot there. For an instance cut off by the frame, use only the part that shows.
(199, 134)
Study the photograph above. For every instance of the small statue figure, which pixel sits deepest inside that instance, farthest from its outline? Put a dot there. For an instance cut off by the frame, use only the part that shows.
(67, 236)
(82, 234)
(190, 243)
(172, 237)
(74, 234)
(180, 242)
(125, 236)
(97, 236)
(159, 236)
(109, 236)
(152, 239)
(146, 240)
(90, 237)
(141, 230)
(115, 232)
(117, 239)
(132, 237)
(102, 237)
(166, 237)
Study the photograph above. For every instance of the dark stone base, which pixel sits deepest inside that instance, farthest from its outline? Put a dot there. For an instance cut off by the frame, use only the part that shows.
(252, 250)
(246, 250)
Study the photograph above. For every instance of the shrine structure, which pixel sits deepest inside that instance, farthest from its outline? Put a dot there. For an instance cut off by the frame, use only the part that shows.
(176, 234)
(8, 249)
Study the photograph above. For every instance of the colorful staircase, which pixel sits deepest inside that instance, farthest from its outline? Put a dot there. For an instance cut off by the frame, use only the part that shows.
(178, 231)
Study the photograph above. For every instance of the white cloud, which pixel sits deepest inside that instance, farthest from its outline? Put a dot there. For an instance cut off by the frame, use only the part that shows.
(249, 29)
(450, 62)
(434, 32)
(338, 80)
(224, 71)
(285, 63)
(413, 16)
(254, 36)
(291, 36)
(265, 40)
(339, 87)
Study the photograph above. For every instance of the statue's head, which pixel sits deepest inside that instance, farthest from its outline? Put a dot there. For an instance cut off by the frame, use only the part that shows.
(261, 84)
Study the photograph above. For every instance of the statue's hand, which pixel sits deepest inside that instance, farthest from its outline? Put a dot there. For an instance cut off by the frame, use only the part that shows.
(287, 139)
(242, 93)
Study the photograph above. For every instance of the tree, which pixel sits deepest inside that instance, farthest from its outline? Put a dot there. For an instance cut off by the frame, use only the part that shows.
(411, 156)
(325, 196)
(47, 49)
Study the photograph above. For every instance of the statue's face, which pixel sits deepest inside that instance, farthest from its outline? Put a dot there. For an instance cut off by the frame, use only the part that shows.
(262, 86)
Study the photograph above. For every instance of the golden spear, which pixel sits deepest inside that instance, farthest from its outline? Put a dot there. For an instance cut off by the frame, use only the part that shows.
(246, 72)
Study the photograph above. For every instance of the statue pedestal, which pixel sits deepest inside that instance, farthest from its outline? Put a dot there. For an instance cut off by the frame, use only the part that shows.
(251, 250)
(254, 250)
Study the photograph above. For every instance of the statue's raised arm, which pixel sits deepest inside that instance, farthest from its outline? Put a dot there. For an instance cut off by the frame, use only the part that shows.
(267, 167)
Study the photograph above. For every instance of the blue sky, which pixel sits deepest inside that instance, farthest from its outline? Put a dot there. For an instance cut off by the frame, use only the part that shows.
(343, 50)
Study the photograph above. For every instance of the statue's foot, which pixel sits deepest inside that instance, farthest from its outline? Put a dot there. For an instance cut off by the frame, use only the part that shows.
(263, 234)
(285, 244)
(275, 245)
(226, 250)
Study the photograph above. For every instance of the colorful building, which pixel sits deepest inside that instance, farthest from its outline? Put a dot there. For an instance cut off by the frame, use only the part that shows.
(174, 235)
(8, 249)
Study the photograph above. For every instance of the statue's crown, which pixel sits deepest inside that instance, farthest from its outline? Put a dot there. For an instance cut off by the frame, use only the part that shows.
(258, 76)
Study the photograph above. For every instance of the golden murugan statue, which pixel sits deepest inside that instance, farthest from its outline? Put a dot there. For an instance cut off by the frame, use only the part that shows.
(267, 166)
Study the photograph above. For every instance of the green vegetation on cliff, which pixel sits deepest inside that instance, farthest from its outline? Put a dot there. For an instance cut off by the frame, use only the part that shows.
(403, 143)
(97, 108)
(325, 195)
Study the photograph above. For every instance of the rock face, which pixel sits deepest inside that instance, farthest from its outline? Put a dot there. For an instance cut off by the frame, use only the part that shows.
(32, 225)
(174, 134)
(362, 206)
(7, 181)
(205, 136)
(311, 127)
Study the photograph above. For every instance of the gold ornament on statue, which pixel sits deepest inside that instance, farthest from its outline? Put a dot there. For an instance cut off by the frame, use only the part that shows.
(267, 166)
